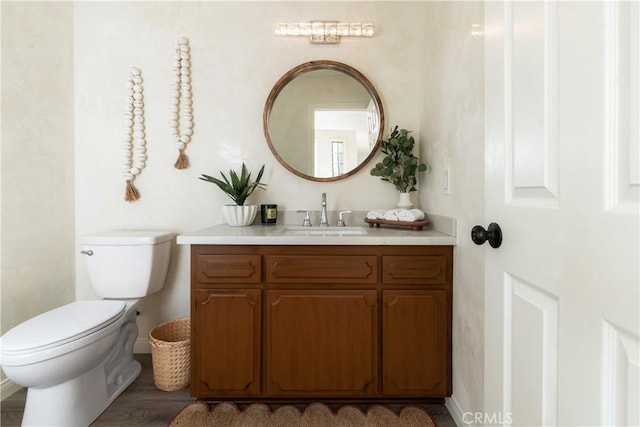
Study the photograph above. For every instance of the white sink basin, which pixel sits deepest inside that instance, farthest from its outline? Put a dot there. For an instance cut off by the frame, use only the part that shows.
(323, 231)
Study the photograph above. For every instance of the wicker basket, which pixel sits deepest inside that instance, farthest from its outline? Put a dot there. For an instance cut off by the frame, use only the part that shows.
(171, 353)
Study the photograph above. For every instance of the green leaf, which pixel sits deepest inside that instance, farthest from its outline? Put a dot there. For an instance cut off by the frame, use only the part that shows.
(238, 187)
(399, 166)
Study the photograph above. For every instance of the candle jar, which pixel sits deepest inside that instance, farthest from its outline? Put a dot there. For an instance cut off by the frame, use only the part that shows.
(269, 213)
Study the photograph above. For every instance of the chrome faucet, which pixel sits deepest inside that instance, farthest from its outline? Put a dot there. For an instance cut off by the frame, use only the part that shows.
(341, 222)
(306, 222)
(323, 213)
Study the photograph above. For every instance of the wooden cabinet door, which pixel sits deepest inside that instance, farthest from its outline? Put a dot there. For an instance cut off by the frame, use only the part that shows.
(226, 343)
(415, 357)
(321, 343)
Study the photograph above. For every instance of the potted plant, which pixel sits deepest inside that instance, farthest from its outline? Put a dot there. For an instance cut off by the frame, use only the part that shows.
(399, 166)
(238, 188)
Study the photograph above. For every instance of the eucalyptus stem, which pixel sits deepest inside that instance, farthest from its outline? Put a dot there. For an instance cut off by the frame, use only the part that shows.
(399, 166)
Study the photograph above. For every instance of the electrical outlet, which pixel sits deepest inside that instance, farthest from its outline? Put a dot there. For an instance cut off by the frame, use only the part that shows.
(446, 181)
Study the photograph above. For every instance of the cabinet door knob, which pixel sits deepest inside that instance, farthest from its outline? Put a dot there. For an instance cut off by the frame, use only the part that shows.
(493, 234)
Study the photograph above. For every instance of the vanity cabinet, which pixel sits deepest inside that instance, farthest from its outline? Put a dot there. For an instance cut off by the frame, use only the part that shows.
(289, 322)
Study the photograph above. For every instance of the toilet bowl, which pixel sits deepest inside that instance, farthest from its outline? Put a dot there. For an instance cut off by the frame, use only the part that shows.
(76, 359)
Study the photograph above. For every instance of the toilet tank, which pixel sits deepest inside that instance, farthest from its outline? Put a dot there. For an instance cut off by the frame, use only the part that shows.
(127, 264)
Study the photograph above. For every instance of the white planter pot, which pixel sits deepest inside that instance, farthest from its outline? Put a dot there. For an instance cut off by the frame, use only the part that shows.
(404, 202)
(239, 216)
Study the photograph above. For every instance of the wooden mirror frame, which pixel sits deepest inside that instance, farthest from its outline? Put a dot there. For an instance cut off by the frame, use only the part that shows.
(312, 66)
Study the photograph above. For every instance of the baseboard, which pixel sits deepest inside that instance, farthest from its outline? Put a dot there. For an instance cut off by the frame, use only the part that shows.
(455, 410)
(142, 346)
(7, 388)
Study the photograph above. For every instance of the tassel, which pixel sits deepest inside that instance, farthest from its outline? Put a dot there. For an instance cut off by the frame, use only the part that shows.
(182, 162)
(131, 193)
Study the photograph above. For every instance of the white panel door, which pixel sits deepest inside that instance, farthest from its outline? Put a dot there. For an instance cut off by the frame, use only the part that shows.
(561, 158)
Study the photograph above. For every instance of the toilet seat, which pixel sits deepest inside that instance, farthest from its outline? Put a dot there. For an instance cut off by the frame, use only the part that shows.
(45, 336)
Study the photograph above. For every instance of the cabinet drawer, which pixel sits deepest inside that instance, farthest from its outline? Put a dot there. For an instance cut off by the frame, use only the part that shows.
(228, 268)
(415, 269)
(321, 269)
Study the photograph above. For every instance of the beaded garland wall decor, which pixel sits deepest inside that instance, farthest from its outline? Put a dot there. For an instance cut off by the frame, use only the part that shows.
(135, 144)
(181, 119)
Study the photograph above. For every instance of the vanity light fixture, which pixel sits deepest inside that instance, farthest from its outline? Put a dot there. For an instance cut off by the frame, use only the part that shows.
(476, 31)
(324, 31)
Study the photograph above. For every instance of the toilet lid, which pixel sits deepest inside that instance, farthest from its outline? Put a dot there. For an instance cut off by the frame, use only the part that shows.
(63, 324)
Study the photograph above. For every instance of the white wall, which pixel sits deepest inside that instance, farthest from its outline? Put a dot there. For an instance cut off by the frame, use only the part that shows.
(37, 160)
(452, 129)
(236, 59)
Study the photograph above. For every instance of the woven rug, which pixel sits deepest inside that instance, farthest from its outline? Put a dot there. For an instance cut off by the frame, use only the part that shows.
(199, 414)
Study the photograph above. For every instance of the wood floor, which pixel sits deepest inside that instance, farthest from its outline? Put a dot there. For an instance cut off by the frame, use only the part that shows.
(143, 405)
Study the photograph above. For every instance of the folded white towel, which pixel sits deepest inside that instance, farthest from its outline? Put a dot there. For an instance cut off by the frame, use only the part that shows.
(392, 214)
(410, 215)
(375, 214)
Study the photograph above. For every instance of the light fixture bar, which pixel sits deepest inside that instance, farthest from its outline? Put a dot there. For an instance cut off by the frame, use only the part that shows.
(324, 31)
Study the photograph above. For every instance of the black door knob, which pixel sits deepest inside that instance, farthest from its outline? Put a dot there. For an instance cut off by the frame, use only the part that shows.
(493, 234)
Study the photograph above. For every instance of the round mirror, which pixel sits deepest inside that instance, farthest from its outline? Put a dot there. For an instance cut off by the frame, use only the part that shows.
(323, 120)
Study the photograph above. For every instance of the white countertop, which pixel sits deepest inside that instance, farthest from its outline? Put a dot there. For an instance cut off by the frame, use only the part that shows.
(278, 235)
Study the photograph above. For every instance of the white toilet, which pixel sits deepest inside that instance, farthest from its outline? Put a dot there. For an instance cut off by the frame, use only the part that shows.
(76, 359)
